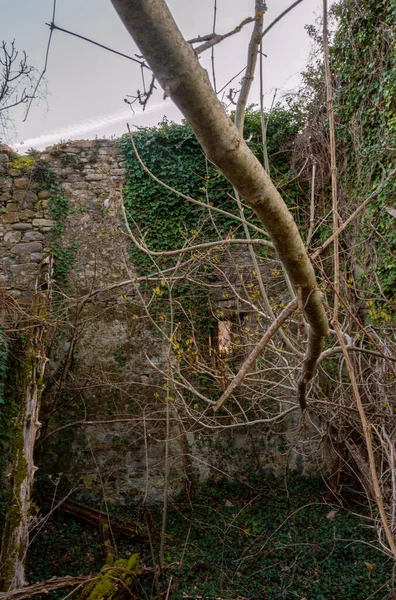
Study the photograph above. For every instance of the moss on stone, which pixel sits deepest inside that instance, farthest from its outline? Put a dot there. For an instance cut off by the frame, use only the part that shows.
(114, 582)
(10, 550)
(22, 163)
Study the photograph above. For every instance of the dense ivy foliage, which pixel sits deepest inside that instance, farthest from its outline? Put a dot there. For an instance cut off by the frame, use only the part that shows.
(58, 208)
(262, 539)
(364, 65)
(167, 221)
(172, 153)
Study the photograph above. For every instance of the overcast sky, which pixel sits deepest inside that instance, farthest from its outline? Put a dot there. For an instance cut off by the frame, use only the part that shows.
(87, 85)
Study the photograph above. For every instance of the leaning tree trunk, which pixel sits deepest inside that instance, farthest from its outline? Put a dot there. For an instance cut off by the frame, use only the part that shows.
(16, 531)
(176, 66)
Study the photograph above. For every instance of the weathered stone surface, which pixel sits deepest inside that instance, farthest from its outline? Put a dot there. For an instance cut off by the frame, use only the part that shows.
(25, 268)
(84, 144)
(72, 150)
(33, 236)
(26, 247)
(95, 177)
(22, 183)
(22, 226)
(6, 149)
(10, 218)
(28, 214)
(12, 207)
(37, 257)
(5, 184)
(44, 194)
(74, 178)
(67, 171)
(43, 223)
(25, 198)
(8, 260)
(12, 237)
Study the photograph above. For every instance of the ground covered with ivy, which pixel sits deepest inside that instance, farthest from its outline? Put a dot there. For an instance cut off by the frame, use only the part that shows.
(265, 539)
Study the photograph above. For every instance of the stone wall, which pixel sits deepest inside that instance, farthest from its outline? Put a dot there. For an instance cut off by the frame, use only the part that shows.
(89, 173)
(105, 356)
(24, 225)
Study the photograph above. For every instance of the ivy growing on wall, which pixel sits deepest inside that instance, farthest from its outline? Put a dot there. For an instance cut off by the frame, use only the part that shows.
(58, 208)
(364, 64)
(172, 152)
(166, 221)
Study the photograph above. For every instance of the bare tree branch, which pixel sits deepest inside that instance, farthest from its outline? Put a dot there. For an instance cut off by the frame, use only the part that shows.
(249, 362)
(17, 82)
(177, 69)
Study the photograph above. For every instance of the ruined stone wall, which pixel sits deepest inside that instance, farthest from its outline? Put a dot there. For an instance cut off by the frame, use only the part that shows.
(24, 224)
(90, 174)
(105, 357)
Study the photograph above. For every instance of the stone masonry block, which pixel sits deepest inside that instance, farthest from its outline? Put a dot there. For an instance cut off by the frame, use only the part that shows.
(26, 247)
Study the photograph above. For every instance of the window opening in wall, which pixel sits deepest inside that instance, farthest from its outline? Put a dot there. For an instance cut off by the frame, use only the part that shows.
(226, 345)
(224, 335)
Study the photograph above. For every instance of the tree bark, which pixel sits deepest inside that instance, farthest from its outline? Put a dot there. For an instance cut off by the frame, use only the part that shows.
(247, 80)
(98, 518)
(16, 530)
(176, 66)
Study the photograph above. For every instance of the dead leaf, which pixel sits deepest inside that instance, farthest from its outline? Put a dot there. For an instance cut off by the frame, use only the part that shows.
(391, 210)
(331, 515)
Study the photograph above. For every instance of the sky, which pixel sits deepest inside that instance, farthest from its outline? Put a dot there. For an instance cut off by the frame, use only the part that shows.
(86, 85)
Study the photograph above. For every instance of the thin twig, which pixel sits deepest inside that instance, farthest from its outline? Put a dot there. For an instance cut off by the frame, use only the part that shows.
(279, 17)
(353, 216)
(192, 200)
(333, 161)
(45, 66)
(366, 429)
(140, 62)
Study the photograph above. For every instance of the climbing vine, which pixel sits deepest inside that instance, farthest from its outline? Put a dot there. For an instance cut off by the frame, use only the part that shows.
(172, 152)
(364, 64)
(167, 221)
(58, 208)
